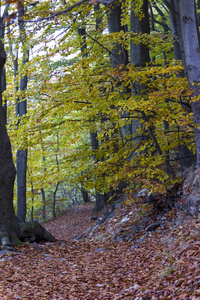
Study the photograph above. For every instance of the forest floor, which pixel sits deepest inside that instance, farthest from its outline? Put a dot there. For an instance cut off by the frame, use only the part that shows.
(116, 260)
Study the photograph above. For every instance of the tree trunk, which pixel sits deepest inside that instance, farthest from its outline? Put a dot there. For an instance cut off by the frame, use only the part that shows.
(139, 55)
(139, 52)
(3, 89)
(119, 55)
(190, 37)
(22, 110)
(54, 200)
(100, 198)
(187, 158)
(43, 204)
(21, 183)
(11, 229)
(176, 31)
(85, 195)
(198, 15)
(7, 168)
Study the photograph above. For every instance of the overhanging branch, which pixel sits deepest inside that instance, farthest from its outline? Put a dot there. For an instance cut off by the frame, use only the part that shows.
(107, 2)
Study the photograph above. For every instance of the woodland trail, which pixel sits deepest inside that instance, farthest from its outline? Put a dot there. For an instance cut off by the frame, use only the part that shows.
(165, 265)
(74, 221)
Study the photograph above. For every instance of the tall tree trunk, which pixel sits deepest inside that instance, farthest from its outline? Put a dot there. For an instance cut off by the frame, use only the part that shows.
(140, 58)
(85, 194)
(44, 171)
(3, 89)
(119, 55)
(176, 31)
(22, 110)
(187, 158)
(198, 15)
(139, 53)
(190, 37)
(100, 200)
(54, 200)
(7, 168)
(11, 229)
(43, 204)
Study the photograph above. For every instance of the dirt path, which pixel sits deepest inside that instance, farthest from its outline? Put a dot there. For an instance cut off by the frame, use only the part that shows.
(72, 222)
(164, 265)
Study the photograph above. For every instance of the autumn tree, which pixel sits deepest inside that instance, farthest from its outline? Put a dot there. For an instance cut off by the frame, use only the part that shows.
(128, 105)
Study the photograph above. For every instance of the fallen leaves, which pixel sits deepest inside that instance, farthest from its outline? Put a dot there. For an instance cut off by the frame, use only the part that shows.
(84, 269)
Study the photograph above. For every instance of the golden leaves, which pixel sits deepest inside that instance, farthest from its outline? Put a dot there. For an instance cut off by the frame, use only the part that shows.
(71, 97)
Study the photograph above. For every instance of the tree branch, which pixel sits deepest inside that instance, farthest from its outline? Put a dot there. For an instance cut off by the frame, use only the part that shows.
(169, 6)
(107, 2)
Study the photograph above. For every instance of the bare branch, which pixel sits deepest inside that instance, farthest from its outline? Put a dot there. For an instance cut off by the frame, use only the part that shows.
(169, 6)
(108, 2)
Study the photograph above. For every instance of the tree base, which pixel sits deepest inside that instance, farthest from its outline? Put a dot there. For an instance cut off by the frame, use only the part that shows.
(24, 232)
(33, 232)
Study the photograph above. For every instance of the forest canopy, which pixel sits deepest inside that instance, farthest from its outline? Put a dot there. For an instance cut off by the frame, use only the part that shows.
(96, 97)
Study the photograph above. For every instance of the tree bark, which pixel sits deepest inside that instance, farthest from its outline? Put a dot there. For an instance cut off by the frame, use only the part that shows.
(198, 15)
(21, 111)
(175, 22)
(100, 202)
(187, 158)
(190, 37)
(119, 55)
(85, 195)
(139, 52)
(3, 89)
(54, 200)
(43, 204)
(7, 168)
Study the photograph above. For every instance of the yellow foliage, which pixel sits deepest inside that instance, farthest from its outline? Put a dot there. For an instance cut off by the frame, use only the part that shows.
(69, 97)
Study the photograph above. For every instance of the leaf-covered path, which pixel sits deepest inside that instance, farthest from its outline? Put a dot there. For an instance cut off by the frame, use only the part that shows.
(72, 222)
(164, 266)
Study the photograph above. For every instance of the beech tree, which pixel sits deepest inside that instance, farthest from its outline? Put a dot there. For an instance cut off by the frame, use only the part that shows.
(109, 95)
(123, 93)
(191, 45)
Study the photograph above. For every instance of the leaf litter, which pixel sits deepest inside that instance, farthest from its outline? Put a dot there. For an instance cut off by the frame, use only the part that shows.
(162, 264)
